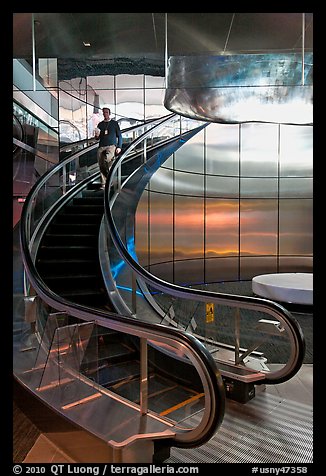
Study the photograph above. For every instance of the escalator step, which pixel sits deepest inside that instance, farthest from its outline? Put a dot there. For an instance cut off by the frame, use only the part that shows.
(113, 374)
(72, 251)
(78, 218)
(116, 352)
(70, 266)
(130, 390)
(74, 228)
(90, 199)
(70, 239)
(85, 208)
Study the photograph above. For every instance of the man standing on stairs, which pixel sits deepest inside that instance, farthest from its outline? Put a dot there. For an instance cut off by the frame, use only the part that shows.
(110, 143)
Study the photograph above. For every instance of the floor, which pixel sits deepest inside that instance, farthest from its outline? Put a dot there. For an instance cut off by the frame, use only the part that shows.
(274, 427)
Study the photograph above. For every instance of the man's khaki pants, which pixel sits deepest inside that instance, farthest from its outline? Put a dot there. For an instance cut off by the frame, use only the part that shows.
(105, 156)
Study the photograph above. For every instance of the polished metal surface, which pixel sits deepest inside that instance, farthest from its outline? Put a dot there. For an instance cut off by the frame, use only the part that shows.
(241, 88)
(276, 427)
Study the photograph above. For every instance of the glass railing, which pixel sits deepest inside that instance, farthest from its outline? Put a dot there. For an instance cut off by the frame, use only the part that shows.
(252, 337)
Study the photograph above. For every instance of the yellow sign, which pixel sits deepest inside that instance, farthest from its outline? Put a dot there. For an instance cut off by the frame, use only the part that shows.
(209, 312)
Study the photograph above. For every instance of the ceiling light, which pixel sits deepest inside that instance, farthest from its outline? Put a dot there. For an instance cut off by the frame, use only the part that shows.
(86, 43)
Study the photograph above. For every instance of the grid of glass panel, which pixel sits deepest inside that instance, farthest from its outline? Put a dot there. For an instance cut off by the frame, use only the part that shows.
(130, 97)
(241, 205)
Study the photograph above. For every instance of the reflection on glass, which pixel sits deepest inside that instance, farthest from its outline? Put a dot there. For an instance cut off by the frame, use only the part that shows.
(295, 264)
(189, 227)
(154, 104)
(258, 227)
(162, 180)
(222, 149)
(255, 265)
(161, 228)
(72, 113)
(222, 228)
(223, 187)
(296, 229)
(163, 271)
(258, 187)
(129, 81)
(154, 82)
(225, 269)
(259, 150)
(48, 71)
(130, 103)
(189, 184)
(296, 149)
(296, 187)
(189, 271)
(189, 157)
(101, 82)
(141, 230)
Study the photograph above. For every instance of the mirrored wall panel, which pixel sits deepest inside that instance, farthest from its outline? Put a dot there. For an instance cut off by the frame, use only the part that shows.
(240, 205)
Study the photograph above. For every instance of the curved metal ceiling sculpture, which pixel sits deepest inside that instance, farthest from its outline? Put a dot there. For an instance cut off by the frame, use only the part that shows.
(242, 88)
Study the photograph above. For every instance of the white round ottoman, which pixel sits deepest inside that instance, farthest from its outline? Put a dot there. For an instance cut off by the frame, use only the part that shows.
(296, 288)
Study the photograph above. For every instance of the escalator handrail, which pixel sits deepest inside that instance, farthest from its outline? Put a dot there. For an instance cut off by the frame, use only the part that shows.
(126, 130)
(212, 382)
(247, 302)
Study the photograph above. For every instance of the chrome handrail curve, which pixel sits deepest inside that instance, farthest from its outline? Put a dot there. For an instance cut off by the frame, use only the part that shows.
(247, 302)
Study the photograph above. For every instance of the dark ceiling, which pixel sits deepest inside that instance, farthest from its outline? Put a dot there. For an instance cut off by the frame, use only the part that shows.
(137, 41)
